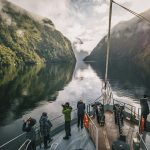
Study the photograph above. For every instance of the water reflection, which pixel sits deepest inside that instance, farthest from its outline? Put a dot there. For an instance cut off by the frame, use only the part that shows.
(126, 79)
(21, 90)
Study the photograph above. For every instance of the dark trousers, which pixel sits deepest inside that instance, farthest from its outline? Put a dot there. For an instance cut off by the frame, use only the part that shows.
(145, 120)
(46, 138)
(80, 120)
(32, 146)
(67, 128)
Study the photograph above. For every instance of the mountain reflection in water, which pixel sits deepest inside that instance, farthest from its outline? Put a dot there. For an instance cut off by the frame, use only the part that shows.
(22, 90)
(126, 79)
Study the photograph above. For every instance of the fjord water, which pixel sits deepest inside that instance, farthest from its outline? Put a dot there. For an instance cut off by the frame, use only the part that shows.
(29, 91)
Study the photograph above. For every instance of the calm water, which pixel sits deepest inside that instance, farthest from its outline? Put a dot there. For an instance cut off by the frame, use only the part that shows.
(32, 90)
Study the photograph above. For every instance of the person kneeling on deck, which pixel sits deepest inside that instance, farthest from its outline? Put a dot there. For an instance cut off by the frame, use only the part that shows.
(144, 109)
(81, 111)
(67, 109)
(28, 127)
(45, 126)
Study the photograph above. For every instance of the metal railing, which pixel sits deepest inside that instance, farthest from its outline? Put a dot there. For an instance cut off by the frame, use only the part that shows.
(142, 142)
(130, 112)
(57, 122)
(91, 130)
(25, 145)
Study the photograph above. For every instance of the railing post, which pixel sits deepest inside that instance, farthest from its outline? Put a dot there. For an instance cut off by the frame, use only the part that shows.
(96, 138)
(87, 108)
(131, 117)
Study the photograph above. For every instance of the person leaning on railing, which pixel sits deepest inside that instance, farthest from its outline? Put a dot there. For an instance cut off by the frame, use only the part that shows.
(81, 111)
(144, 109)
(28, 127)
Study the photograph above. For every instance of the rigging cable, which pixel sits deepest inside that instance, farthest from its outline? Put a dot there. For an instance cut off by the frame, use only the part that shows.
(132, 12)
(109, 28)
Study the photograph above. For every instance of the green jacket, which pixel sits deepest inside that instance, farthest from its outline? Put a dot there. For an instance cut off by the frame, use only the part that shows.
(67, 113)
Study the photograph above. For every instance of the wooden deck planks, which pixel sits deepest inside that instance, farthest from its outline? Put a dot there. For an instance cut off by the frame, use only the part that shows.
(110, 132)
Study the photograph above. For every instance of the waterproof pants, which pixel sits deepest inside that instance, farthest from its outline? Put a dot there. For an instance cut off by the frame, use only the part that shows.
(46, 138)
(145, 120)
(32, 146)
(67, 128)
(80, 120)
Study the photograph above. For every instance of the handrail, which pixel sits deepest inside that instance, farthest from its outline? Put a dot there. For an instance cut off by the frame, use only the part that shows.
(28, 141)
(141, 140)
(96, 130)
(12, 140)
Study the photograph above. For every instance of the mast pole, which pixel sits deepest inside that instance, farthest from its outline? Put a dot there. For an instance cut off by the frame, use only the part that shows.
(108, 42)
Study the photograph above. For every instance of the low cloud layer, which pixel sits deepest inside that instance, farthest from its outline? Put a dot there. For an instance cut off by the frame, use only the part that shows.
(87, 20)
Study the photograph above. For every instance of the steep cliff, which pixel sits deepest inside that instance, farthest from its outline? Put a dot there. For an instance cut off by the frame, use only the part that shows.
(130, 42)
(28, 39)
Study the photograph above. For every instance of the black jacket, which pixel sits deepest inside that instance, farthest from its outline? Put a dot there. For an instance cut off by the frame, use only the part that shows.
(144, 107)
(81, 108)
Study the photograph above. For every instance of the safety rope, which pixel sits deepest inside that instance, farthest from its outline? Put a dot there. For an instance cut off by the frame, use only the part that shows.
(132, 12)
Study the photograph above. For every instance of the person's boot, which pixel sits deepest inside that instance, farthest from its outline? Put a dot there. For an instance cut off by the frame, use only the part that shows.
(69, 134)
(46, 147)
(51, 139)
(66, 138)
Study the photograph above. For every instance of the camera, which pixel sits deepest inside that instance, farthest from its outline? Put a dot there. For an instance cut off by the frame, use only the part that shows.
(63, 105)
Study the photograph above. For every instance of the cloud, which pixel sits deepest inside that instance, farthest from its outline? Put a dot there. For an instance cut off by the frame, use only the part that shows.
(87, 20)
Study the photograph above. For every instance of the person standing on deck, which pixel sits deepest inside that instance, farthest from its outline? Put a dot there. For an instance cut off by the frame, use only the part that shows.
(67, 109)
(144, 109)
(28, 127)
(45, 126)
(81, 111)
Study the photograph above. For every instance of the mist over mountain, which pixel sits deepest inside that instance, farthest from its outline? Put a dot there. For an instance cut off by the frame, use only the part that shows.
(130, 43)
(29, 39)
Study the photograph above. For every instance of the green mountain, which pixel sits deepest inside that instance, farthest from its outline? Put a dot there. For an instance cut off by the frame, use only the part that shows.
(29, 39)
(130, 43)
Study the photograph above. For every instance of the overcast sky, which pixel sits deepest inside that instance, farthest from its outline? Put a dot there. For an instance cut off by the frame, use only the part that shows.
(84, 19)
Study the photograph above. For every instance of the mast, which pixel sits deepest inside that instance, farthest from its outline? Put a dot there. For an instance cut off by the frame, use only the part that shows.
(108, 42)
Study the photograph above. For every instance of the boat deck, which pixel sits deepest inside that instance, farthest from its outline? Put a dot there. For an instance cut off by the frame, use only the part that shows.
(84, 140)
(79, 140)
(110, 132)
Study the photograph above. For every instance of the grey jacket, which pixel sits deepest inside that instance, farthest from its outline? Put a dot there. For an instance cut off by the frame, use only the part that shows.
(45, 125)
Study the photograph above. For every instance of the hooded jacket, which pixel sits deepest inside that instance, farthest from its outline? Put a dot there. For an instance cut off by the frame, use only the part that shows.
(45, 125)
